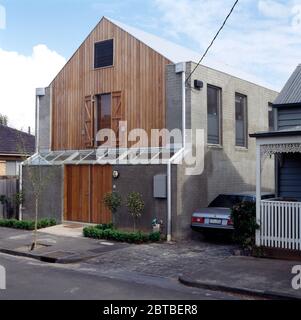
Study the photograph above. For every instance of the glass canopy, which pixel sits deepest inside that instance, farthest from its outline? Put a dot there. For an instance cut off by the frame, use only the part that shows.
(104, 156)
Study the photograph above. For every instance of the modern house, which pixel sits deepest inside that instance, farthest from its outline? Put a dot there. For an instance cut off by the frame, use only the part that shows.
(15, 147)
(124, 79)
(280, 220)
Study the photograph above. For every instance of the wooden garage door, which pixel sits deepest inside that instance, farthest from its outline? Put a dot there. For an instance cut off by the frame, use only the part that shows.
(85, 187)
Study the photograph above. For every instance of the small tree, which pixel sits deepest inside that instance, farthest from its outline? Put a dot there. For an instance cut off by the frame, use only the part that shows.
(113, 202)
(135, 205)
(38, 180)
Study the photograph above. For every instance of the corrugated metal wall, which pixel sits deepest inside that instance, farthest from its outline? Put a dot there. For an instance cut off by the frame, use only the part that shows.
(289, 118)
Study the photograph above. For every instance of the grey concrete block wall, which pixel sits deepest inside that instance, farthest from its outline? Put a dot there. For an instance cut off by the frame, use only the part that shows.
(139, 178)
(227, 168)
(51, 197)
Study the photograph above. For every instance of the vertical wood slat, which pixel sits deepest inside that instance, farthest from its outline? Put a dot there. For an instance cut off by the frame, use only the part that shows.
(281, 224)
(85, 186)
(138, 72)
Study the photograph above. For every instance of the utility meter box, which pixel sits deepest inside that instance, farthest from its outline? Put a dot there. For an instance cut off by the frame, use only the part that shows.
(160, 186)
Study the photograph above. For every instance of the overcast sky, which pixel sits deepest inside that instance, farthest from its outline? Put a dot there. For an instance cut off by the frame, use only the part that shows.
(262, 39)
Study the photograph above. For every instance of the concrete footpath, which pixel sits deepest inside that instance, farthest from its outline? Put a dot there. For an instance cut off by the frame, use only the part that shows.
(53, 248)
(267, 278)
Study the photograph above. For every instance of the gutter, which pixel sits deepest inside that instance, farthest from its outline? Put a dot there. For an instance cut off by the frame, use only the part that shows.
(180, 68)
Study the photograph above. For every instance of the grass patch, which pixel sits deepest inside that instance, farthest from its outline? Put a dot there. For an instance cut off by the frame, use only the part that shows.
(27, 224)
(121, 236)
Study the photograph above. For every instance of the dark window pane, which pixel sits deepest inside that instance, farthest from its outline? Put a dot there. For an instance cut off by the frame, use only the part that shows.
(214, 109)
(271, 118)
(104, 112)
(241, 120)
(103, 54)
(224, 201)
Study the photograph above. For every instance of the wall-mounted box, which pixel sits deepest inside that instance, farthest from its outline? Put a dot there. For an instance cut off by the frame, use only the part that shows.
(160, 186)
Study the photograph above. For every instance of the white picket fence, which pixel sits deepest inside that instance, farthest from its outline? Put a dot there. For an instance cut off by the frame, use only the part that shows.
(280, 225)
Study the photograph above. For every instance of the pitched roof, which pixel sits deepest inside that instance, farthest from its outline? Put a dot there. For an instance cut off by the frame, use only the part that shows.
(173, 52)
(15, 142)
(177, 53)
(291, 93)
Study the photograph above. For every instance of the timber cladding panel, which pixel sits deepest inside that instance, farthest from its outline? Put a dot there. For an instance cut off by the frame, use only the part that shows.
(84, 190)
(138, 73)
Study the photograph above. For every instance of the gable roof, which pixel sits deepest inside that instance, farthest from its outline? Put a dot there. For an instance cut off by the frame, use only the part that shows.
(173, 52)
(291, 93)
(177, 53)
(15, 142)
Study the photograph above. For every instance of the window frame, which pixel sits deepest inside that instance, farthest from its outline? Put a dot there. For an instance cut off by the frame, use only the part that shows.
(220, 116)
(98, 113)
(94, 51)
(245, 121)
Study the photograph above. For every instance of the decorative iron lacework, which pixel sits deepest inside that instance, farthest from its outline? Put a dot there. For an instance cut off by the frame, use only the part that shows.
(271, 149)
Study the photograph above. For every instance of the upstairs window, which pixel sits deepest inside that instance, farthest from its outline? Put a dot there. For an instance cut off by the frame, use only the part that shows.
(103, 54)
(241, 119)
(271, 117)
(214, 105)
(104, 115)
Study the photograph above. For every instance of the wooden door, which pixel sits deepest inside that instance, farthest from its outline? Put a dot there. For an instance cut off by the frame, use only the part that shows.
(85, 187)
(77, 193)
(101, 184)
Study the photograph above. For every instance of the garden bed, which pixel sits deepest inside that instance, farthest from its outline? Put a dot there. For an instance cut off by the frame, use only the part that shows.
(27, 224)
(107, 232)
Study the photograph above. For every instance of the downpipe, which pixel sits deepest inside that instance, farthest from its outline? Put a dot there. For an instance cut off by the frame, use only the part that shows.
(180, 68)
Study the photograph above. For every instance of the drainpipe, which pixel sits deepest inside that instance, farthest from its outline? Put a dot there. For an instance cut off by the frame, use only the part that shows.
(180, 68)
(20, 190)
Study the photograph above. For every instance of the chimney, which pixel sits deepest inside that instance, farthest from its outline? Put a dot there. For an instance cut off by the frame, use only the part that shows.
(29, 130)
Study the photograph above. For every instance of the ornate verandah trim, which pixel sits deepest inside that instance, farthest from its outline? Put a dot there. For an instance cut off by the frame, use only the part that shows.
(271, 149)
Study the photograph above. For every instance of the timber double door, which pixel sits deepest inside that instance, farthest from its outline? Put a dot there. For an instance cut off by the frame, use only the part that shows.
(85, 187)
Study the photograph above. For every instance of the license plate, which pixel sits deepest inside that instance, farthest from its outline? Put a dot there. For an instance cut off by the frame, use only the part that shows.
(215, 221)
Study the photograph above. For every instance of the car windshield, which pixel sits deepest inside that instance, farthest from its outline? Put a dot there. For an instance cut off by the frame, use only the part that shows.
(228, 201)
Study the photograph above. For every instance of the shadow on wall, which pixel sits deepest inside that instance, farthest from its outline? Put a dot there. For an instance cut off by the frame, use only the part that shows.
(50, 202)
(139, 178)
(220, 176)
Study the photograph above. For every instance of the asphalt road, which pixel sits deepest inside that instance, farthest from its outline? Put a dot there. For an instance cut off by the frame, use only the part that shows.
(33, 280)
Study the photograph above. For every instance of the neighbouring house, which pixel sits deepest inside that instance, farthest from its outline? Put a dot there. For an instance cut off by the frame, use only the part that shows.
(15, 147)
(120, 74)
(280, 219)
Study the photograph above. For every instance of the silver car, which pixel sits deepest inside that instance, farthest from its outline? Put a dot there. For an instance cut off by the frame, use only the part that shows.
(218, 214)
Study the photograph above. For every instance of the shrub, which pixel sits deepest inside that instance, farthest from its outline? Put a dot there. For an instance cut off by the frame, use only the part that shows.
(121, 236)
(112, 201)
(27, 224)
(135, 205)
(105, 226)
(245, 225)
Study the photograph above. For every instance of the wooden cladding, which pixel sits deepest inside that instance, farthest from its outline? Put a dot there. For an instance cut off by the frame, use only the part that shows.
(138, 73)
(85, 187)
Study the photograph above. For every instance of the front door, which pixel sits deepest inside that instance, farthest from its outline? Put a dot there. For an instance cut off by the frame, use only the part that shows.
(85, 187)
